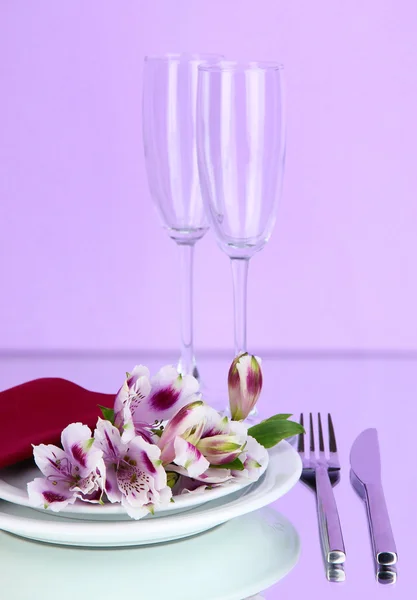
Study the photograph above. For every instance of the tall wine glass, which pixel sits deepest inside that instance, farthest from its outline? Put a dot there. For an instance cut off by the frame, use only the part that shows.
(169, 135)
(241, 149)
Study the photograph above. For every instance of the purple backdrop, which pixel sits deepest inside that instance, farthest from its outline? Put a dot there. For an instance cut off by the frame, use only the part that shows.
(83, 261)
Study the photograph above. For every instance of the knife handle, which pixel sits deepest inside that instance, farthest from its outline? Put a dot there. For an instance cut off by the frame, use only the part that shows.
(383, 542)
(329, 522)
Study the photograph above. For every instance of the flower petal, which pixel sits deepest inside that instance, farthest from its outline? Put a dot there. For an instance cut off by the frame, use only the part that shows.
(49, 458)
(255, 461)
(134, 485)
(141, 478)
(93, 482)
(134, 512)
(124, 422)
(210, 476)
(187, 417)
(189, 457)
(136, 375)
(44, 493)
(111, 485)
(187, 485)
(220, 449)
(107, 439)
(77, 442)
(148, 459)
(134, 390)
(170, 392)
(222, 440)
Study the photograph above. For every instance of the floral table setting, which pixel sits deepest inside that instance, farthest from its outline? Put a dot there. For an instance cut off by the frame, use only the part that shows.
(273, 551)
(160, 486)
(160, 465)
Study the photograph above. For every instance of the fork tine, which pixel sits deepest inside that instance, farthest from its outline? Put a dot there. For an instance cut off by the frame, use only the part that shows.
(311, 434)
(300, 446)
(321, 440)
(332, 437)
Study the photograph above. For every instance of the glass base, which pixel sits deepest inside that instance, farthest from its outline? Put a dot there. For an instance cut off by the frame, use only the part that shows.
(194, 371)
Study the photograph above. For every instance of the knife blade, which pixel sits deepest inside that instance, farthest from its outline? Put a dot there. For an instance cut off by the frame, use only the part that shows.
(365, 466)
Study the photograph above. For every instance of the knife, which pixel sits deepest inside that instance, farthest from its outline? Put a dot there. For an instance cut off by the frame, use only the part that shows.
(365, 466)
(386, 575)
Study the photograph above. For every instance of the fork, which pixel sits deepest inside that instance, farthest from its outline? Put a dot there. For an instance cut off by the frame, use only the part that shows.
(321, 474)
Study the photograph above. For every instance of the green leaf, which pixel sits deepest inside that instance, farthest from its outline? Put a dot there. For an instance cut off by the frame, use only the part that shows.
(235, 465)
(108, 413)
(271, 431)
(280, 417)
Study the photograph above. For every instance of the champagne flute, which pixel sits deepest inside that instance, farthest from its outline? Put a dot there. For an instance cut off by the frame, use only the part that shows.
(241, 150)
(169, 135)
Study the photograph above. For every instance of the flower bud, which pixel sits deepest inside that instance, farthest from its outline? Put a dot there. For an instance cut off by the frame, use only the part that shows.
(245, 385)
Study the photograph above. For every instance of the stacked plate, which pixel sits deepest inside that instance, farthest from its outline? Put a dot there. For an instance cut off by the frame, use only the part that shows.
(239, 559)
(96, 526)
(251, 551)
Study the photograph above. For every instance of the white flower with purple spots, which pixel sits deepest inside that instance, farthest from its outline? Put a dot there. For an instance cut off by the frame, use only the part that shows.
(143, 402)
(135, 475)
(74, 471)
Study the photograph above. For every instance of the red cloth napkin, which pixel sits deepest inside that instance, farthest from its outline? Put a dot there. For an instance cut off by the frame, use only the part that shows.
(37, 411)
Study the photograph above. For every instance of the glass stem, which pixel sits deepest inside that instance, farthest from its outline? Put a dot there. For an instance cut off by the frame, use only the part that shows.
(186, 365)
(240, 281)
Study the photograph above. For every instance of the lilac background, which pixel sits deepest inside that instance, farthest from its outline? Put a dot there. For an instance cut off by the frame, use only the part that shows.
(83, 261)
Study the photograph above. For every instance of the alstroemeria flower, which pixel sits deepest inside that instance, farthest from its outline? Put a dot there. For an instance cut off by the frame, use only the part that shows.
(135, 475)
(255, 459)
(142, 402)
(198, 436)
(76, 471)
(245, 385)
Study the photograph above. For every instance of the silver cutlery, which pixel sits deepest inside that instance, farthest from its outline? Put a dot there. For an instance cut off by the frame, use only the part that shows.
(366, 479)
(321, 473)
(387, 575)
(335, 573)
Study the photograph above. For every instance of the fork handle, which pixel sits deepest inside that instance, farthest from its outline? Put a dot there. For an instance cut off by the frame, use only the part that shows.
(329, 523)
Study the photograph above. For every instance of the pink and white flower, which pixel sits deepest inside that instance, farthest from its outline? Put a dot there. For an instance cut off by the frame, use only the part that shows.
(245, 385)
(255, 459)
(198, 438)
(143, 402)
(135, 475)
(74, 471)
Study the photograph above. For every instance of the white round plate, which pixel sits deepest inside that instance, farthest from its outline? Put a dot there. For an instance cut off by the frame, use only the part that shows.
(239, 559)
(13, 488)
(283, 472)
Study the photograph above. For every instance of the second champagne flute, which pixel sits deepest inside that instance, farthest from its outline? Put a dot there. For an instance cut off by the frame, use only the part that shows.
(241, 148)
